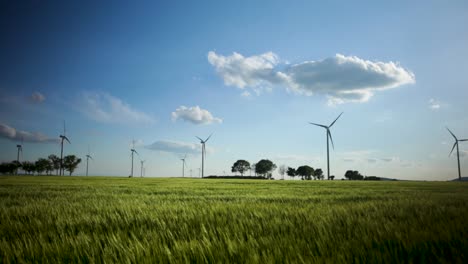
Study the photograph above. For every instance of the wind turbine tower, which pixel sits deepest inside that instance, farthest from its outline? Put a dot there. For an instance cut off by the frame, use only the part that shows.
(62, 137)
(88, 156)
(20, 149)
(183, 165)
(141, 168)
(328, 135)
(458, 153)
(203, 154)
(133, 152)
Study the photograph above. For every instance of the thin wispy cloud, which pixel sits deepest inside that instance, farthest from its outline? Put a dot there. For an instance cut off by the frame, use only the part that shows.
(293, 157)
(103, 107)
(13, 134)
(37, 97)
(434, 104)
(194, 115)
(341, 79)
(177, 147)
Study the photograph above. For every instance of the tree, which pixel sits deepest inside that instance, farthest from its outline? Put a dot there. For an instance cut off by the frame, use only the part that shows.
(240, 166)
(55, 162)
(41, 165)
(305, 172)
(265, 167)
(29, 167)
(70, 163)
(318, 174)
(353, 175)
(9, 167)
(291, 172)
(282, 170)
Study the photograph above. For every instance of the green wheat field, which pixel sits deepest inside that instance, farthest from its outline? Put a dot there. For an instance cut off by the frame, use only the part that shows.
(104, 219)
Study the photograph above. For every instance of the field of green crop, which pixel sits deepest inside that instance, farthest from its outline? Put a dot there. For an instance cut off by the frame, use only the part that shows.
(103, 219)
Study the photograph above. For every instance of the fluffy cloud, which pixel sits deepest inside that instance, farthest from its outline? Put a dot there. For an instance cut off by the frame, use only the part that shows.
(18, 135)
(195, 115)
(341, 78)
(176, 147)
(37, 97)
(434, 104)
(106, 108)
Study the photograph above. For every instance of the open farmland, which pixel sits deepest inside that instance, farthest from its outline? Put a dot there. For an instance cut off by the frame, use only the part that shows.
(78, 219)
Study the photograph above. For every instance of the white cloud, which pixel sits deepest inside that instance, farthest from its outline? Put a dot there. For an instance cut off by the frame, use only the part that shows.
(341, 78)
(177, 147)
(37, 97)
(106, 108)
(195, 115)
(246, 94)
(371, 160)
(434, 104)
(18, 135)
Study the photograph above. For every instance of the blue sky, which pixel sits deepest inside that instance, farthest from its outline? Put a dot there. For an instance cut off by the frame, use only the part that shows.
(252, 73)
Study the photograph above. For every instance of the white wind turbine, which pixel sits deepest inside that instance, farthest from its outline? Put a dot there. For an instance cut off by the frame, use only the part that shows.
(203, 153)
(88, 156)
(183, 165)
(132, 154)
(63, 137)
(328, 137)
(458, 153)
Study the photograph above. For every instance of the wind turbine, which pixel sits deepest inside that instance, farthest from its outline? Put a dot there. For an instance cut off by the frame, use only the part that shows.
(63, 137)
(141, 168)
(458, 153)
(133, 152)
(203, 153)
(87, 161)
(328, 136)
(183, 165)
(20, 149)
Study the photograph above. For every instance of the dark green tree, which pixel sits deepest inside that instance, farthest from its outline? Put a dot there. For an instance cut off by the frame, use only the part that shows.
(42, 165)
(29, 167)
(291, 172)
(318, 174)
(305, 172)
(265, 167)
(70, 163)
(240, 166)
(353, 175)
(55, 162)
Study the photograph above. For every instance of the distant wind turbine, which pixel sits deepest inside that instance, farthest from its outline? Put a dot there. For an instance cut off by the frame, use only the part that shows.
(133, 152)
(328, 137)
(183, 165)
(88, 156)
(458, 153)
(20, 149)
(141, 168)
(63, 137)
(203, 153)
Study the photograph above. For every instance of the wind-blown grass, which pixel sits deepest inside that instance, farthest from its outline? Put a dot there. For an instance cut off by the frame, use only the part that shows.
(100, 219)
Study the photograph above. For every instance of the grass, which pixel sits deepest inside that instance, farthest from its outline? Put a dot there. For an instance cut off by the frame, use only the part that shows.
(100, 219)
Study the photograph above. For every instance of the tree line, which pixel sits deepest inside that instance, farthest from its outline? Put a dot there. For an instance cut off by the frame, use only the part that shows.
(265, 168)
(42, 165)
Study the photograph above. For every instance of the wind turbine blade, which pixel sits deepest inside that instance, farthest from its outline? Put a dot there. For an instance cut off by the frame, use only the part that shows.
(318, 125)
(456, 142)
(208, 137)
(335, 120)
(201, 140)
(463, 140)
(451, 133)
(67, 139)
(136, 152)
(331, 139)
(90, 157)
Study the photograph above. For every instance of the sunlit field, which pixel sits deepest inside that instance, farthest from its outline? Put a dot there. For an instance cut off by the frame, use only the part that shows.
(95, 219)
